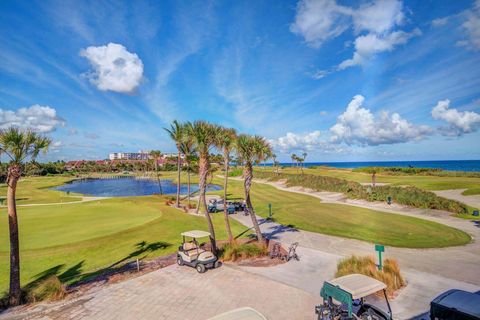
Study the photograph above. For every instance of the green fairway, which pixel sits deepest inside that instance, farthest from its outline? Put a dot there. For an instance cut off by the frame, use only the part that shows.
(76, 239)
(422, 182)
(35, 190)
(93, 235)
(309, 213)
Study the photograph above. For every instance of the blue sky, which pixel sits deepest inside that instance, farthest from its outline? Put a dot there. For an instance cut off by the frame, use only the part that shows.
(341, 80)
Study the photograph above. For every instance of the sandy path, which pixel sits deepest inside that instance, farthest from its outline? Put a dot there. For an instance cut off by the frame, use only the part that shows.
(456, 194)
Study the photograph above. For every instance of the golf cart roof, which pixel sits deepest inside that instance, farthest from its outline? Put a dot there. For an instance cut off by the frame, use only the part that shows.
(196, 234)
(358, 285)
(245, 313)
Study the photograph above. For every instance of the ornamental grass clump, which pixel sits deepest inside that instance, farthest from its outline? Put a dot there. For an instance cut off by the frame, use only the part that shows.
(46, 289)
(390, 273)
(234, 252)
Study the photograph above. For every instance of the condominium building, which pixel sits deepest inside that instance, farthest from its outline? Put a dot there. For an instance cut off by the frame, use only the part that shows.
(129, 156)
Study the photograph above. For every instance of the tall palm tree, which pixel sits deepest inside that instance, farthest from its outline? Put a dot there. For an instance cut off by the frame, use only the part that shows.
(252, 150)
(294, 158)
(188, 150)
(176, 133)
(204, 136)
(157, 154)
(19, 146)
(226, 142)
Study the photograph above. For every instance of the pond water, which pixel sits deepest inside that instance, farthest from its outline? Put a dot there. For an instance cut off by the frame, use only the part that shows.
(125, 187)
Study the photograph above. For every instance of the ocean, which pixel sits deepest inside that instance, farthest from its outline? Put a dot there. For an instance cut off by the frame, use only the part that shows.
(453, 165)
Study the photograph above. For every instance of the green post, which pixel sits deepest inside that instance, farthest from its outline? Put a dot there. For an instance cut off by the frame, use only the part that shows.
(270, 210)
(380, 248)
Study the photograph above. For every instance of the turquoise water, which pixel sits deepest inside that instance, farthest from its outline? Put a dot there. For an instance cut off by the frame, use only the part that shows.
(454, 165)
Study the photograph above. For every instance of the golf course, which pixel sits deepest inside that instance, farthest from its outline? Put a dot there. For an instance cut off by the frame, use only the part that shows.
(76, 240)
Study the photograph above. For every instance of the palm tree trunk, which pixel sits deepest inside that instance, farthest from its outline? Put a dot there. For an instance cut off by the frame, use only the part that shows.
(202, 184)
(188, 186)
(247, 184)
(177, 202)
(225, 213)
(14, 172)
(158, 178)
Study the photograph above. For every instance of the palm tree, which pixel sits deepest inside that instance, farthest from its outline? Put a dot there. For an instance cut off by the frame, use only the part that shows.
(157, 154)
(252, 150)
(225, 143)
(304, 154)
(204, 136)
(188, 150)
(18, 145)
(294, 158)
(176, 133)
(274, 158)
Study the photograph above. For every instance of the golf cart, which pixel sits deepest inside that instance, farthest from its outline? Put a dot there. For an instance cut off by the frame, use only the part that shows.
(193, 254)
(343, 298)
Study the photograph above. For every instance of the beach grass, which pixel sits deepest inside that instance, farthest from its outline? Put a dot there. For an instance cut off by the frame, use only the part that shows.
(432, 183)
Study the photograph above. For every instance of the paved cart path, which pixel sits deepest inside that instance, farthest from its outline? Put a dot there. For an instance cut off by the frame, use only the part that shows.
(428, 272)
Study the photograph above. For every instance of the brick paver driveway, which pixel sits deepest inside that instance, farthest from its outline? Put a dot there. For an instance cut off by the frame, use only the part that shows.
(181, 293)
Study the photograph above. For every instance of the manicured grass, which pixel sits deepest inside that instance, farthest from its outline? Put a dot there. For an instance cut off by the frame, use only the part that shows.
(80, 238)
(35, 190)
(72, 240)
(309, 213)
(422, 182)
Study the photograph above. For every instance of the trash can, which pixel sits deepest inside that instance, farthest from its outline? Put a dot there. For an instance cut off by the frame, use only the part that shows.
(389, 199)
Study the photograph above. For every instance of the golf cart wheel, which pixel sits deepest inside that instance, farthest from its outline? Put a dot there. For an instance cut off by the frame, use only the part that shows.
(180, 261)
(371, 315)
(217, 264)
(200, 268)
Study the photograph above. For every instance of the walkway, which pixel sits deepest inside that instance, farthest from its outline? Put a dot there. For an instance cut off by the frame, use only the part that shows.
(428, 271)
(456, 194)
(180, 293)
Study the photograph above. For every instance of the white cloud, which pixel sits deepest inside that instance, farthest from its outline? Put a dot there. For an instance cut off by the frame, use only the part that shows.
(72, 132)
(319, 20)
(459, 122)
(471, 25)
(378, 16)
(311, 142)
(440, 22)
(114, 68)
(368, 45)
(359, 126)
(292, 141)
(41, 119)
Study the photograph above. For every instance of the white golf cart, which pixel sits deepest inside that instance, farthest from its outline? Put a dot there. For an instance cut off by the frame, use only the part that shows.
(193, 254)
(344, 298)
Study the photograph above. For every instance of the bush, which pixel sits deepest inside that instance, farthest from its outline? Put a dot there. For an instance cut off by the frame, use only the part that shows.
(234, 252)
(235, 172)
(414, 171)
(410, 196)
(49, 289)
(390, 274)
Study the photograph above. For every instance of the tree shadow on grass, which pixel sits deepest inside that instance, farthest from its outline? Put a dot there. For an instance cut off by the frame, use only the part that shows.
(75, 276)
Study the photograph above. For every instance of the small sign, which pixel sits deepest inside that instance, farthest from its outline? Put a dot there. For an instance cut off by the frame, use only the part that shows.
(380, 248)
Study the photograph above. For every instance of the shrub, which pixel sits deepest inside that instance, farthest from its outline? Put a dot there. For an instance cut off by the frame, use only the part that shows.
(49, 288)
(410, 196)
(414, 171)
(234, 252)
(235, 172)
(390, 273)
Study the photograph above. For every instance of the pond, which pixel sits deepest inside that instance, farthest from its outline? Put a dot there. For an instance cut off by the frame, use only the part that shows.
(125, 187)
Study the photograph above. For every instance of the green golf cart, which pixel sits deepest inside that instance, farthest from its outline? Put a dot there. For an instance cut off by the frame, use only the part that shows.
(343, 298)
